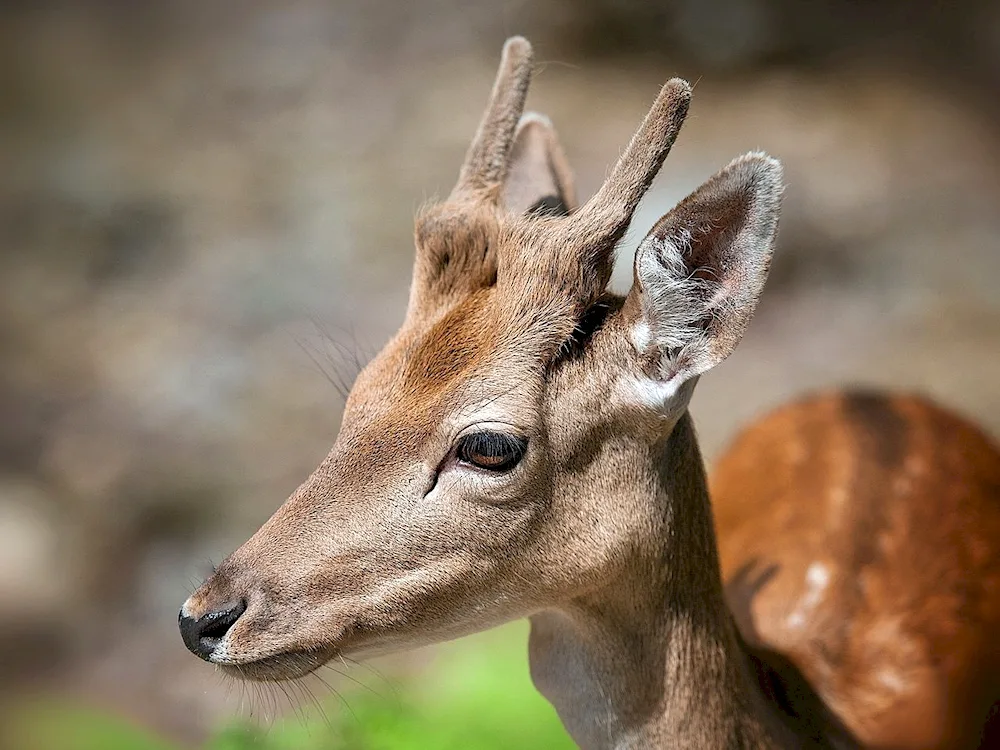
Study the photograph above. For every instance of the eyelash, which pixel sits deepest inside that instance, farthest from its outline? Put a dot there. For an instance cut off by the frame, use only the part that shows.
(507, 450)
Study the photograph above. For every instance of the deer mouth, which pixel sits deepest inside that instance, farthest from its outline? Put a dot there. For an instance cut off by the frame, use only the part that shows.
(280, 667)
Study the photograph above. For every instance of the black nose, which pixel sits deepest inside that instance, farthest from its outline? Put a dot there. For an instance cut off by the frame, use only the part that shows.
(201, 636)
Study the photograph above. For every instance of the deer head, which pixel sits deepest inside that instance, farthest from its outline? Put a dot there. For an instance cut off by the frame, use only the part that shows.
(493, 458)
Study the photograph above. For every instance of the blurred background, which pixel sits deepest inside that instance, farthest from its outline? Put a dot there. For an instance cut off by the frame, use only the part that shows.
(206, 213)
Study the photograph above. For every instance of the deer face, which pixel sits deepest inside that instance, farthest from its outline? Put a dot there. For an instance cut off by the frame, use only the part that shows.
(470, 481)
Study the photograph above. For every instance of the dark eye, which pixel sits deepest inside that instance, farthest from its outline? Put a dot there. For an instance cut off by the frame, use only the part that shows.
(493, 451)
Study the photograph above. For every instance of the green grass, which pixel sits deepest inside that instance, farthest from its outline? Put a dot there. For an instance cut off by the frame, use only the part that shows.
(475, 695)
(55, 725)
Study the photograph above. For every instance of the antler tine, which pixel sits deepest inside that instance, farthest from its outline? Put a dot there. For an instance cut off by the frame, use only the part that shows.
(486, 160)
(606, 216)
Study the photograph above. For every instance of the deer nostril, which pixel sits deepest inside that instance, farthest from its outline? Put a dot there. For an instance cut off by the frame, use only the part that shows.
(203, 635)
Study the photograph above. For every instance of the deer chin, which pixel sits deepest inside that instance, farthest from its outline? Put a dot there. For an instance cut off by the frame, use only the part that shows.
(280, 667)
(247, 655)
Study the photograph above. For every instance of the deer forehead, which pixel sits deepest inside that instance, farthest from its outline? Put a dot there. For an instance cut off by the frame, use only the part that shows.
(472, 363)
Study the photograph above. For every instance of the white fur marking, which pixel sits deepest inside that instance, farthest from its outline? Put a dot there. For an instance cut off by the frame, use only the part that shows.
(220, 654)
(645, 392)
(892, 680)
(817, 579)
(641, 336)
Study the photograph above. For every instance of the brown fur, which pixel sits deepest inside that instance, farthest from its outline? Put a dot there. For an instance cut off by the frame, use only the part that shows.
(899, 502)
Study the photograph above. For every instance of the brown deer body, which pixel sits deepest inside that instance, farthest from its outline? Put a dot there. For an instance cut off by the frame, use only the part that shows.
(522, 448)
(860, 538)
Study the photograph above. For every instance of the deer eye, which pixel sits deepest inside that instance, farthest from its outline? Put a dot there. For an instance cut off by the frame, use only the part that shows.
(493, 451)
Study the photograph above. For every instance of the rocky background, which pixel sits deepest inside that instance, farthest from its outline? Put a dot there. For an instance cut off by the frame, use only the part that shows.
(206, 215)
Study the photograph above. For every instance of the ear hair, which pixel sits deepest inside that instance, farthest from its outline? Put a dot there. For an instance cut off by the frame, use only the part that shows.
(700, 270)
(676, 299)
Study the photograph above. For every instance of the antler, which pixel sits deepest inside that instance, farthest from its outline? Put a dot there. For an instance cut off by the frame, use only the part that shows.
(454, 238)
(579, 249)
(593, 232)
(486, 160)
(461, 247)
(610, 210)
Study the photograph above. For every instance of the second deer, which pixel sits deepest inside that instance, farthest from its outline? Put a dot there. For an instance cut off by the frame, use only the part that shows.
(860, 536)
(522, 448)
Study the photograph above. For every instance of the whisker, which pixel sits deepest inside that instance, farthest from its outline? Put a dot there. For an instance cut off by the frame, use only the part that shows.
(334, 380)
(356, 681)
(337, 372)
(288, 691)
(304, 687)
(262, 699)
(272, 694)
(243, 699)
(339, 696)
(357, 355)
(295, 686)
(374, 671)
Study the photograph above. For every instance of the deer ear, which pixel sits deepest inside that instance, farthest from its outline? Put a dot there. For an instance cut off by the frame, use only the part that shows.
(700, 271)
(539, 178)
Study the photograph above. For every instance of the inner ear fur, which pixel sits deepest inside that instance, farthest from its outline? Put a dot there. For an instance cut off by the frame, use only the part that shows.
(700, 271)
(539, 179)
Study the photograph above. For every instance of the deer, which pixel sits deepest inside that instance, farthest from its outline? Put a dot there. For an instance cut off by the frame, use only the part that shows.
(522, 448)
(859, 535)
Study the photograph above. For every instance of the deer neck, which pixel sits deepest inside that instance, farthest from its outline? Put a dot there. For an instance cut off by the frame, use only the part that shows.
(653, 659)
